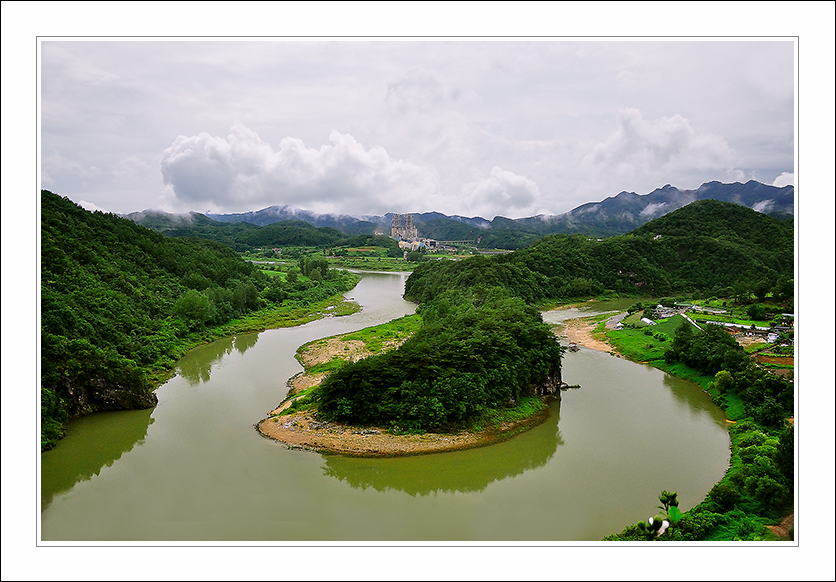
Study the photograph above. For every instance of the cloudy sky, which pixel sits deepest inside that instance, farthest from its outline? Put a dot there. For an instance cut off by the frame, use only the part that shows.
(475, 127)
(472, 128)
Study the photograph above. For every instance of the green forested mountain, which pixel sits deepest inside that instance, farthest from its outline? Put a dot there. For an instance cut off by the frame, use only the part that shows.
(244, 236)
(612, 216)
(708, 246)
(119, 302)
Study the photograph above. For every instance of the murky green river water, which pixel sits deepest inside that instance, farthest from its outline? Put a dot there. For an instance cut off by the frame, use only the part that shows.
(194, 469)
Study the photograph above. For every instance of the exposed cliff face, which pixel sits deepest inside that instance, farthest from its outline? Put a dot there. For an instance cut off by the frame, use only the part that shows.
(98, 394)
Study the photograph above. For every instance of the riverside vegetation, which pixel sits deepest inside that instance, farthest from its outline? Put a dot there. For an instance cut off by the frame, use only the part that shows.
(120, 303)
(757, 490)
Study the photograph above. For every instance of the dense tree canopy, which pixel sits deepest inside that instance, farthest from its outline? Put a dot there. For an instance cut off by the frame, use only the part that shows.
(767, 397)
(118, 301)
(476, 349)
(707, 246)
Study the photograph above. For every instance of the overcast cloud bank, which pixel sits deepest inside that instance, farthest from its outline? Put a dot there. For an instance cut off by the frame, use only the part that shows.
(481, 128)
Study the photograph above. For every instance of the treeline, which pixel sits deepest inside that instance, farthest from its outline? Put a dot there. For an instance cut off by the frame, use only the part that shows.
(120, 303)
(766, 397)
(477, 349)
(244, 236)
(757, 490)
(707, 247)
(503, 233)
(759, 486)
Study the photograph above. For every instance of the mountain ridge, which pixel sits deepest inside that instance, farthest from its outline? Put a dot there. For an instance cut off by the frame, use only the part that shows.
(609, 217)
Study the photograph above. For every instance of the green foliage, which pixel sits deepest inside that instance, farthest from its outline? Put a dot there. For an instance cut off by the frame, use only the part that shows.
(668, 500)
(475, 350)
(732, 246)
(767, 397)
(395, 330)
(724, 381)
(53, 417)
(709, 351)
(119, 303)
(785, 453)
(416, 257)
(762, 478)
(724, 495)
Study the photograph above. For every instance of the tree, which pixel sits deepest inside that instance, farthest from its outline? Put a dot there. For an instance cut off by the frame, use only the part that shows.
(785, 453)
(195, 307)
(762, 288)
(415, 257)
(723, 381)
(757, 312)
(475, 350)
(770, 413)
(784, 288)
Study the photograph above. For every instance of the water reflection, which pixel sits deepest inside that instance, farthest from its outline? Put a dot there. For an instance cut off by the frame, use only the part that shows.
(463, 471)
(92, 443)
(245, 341)
(196, 366)
(693, 398)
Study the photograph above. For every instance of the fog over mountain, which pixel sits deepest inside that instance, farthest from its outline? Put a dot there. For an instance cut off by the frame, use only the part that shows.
(611, 216)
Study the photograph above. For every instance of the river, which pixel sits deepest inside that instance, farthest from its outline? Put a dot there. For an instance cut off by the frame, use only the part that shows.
(195, 469)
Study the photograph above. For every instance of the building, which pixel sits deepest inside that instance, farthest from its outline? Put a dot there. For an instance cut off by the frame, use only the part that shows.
(403, 227)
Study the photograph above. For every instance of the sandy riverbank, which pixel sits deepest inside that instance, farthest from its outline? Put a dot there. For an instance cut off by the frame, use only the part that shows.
(580, 332)
(305, 430)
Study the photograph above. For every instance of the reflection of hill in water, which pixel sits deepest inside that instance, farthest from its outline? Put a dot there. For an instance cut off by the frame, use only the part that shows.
(92, 442)
(694, 399)
(463, 471)
(196, 365)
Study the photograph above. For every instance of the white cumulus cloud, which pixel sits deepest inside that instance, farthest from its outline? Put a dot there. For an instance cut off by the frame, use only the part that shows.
(502, 192)
(785, 179)
(242, 172)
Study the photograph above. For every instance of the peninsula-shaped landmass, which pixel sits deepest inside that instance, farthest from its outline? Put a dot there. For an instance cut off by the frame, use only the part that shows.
(477, 369)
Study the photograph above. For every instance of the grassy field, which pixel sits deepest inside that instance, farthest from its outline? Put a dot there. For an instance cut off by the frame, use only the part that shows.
(280, 274)
(728, 319)
(371, 263)
(395, 330)
(638, 346)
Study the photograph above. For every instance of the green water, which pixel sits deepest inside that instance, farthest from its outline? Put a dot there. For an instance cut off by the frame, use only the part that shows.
(195, 470)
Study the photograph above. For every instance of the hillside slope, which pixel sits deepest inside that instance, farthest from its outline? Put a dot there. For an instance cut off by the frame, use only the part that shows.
(708, 246)
(115, 298)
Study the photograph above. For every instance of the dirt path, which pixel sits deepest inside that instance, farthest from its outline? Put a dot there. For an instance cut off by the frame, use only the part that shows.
(782, 530)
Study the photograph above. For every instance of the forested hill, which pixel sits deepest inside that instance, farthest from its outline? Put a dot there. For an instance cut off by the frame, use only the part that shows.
(244, 236)
(609, 217)
(115, 300)
(712, 247)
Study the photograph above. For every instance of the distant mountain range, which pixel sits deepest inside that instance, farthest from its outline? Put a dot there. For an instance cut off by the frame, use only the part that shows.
(614, 215)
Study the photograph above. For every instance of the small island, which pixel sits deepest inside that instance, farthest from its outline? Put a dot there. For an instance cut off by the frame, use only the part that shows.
(469, 369)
